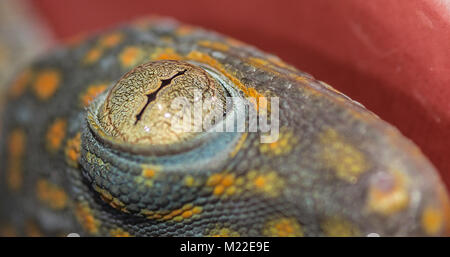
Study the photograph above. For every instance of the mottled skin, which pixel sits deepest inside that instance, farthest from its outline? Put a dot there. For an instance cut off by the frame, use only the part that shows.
(337, 169)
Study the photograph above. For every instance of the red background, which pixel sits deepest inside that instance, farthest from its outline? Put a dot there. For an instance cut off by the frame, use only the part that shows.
(392, 56)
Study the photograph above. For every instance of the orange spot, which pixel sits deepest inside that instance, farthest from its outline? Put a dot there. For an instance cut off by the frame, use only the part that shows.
(339, 227)
(92, 92)
(282, 146)
(387, 201)
(268, 65)
(72, 150)
(111, 39)
(214, 179)
(16, 143)
(55, 134)
(51, 194)
(268, 183)
(218, 189)
(130, 56)
(46, 83)
(16, 150)
(260, 181)
(205, 58)
(228, 180)
(214, 45)
(222, 232)
(341, 156)
(187, 214)
(18, 86)
(197, 210)
(84, 216)
(165, 54)
(187, 211)
(432, 220)
(221, 183)
(93, 55)
(284, 227)
(148, 173)
(118, 232)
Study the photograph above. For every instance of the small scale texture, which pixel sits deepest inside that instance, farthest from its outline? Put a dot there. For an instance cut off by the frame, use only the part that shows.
(336, 169)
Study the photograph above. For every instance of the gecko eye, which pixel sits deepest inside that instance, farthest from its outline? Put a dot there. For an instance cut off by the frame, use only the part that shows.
(154, 104)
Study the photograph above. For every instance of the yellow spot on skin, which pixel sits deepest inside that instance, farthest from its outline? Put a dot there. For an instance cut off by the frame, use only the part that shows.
(118, 232)
(93, 55)
(387, 201)
(260, 181)
(91, 92)
(148, 173)
(222, 232)
(130, 56)
(222, 183)
(186, 212)
(338, 227)
(284, 227)
(72, 150)
(51, 194)
(19, 85)
(347, 161)
(46, 83)
(165, 54)
(259, 61)
(109, 199)
(282, 146)
(55, 135)
(16, 150)
(111, 40)
(432, 220)
(268, 183)
(189, 181)
(214, 45)
(16, 145)
(205, 58)
(258, 100)
(84, 216)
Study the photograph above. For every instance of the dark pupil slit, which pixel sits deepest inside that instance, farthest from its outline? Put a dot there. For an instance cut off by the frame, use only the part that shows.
(152, 96)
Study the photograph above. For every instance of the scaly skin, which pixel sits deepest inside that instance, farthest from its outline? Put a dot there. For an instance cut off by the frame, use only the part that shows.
(336, 169)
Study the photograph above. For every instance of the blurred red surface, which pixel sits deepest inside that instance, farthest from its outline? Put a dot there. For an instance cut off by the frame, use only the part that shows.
(392, 56)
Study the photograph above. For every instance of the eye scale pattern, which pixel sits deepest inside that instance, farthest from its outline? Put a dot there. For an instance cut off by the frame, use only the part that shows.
(336, 170)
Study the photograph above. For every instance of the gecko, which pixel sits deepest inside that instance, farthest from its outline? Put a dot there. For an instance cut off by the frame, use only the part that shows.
(87, 146)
